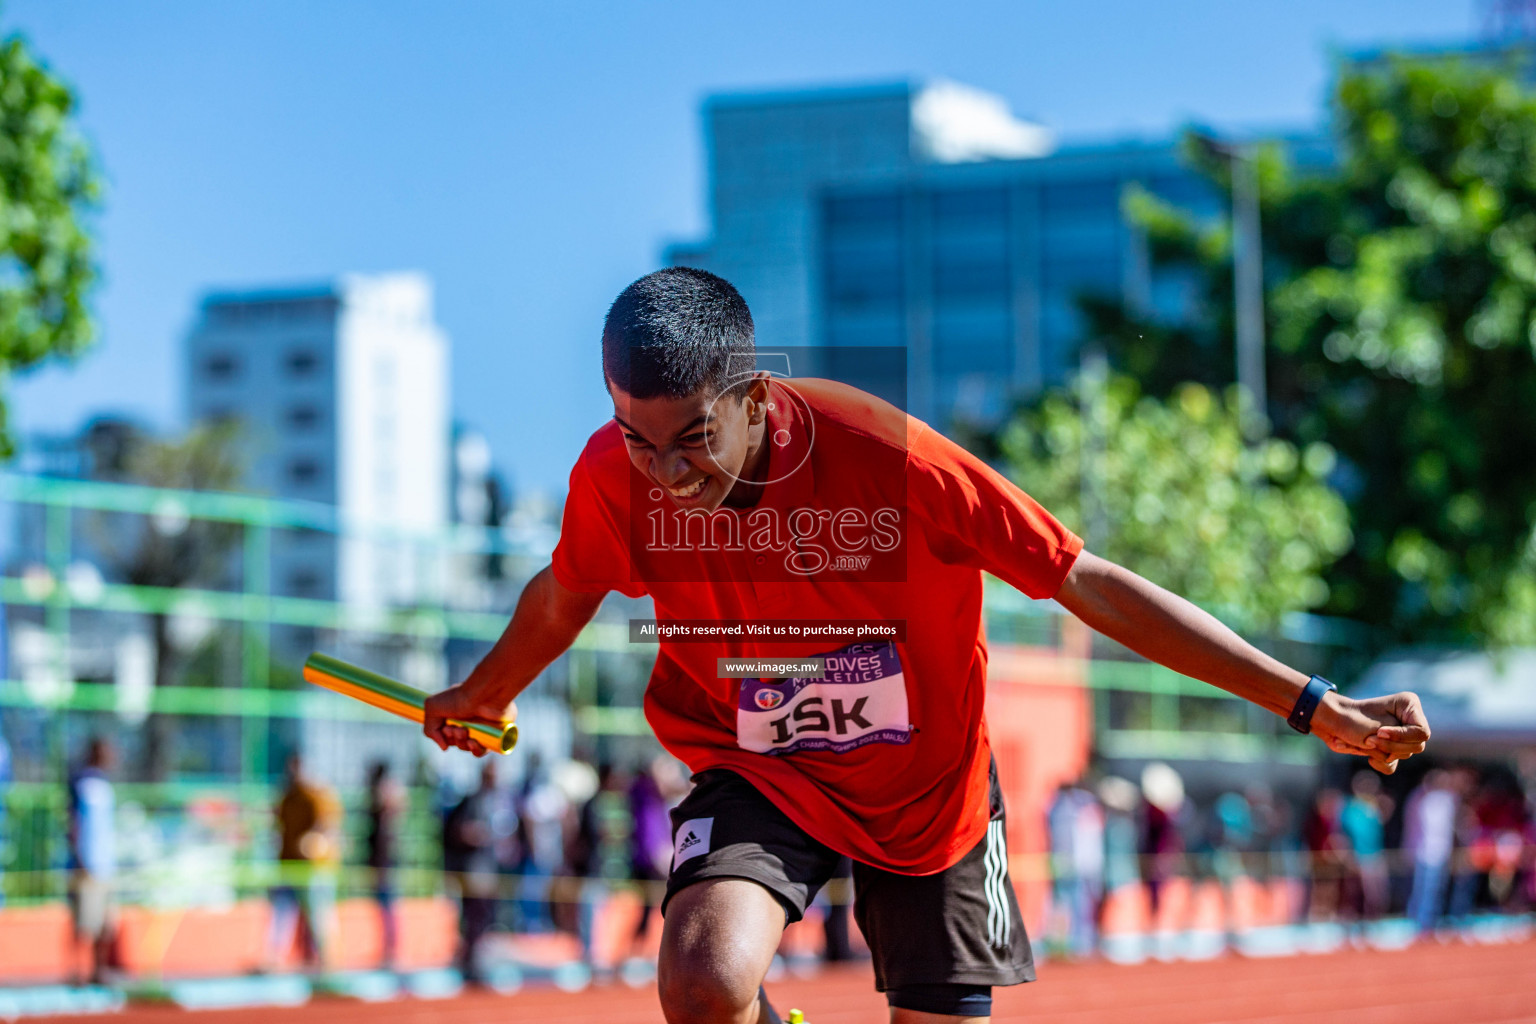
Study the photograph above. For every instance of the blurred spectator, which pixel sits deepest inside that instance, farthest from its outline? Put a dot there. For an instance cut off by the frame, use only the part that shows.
(1162, 837)
(1329, 853)
(1363, 821)
(386, 805)
(600, 853)
(5, 782)
(650, 804)
(1274, 840)
(541, 811)
(1076, 826)
(1232, 834)
(1491, 832)
(309, 848)
(93, 859)
(1429, 837)
(1503, 824)
(1526, 778)
(508, 827)
(573, 782)
(469, 856)
(1119, 798)
(1465, 874)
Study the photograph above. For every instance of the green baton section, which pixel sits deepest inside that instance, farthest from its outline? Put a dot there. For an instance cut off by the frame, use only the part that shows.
(501, 739)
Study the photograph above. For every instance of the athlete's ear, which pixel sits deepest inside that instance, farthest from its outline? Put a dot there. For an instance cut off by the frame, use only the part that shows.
(757, 400)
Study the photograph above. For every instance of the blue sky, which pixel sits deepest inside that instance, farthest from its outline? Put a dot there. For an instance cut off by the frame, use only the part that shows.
(534, 157)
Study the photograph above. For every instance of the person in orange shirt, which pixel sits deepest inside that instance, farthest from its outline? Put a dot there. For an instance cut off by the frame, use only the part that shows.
(309, 849)
(739, 501)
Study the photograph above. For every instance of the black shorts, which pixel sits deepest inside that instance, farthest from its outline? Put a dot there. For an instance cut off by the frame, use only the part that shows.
(959, 927)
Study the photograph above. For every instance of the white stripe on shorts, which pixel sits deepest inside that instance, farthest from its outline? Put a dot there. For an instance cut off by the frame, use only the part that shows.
(986, 885)
(999, 920)
(1002, 885)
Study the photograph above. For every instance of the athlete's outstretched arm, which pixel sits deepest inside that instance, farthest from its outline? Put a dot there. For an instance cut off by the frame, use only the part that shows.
(1173, 632)
(546, 622)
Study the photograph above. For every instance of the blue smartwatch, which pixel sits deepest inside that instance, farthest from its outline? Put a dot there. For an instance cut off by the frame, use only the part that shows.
(1306, 705)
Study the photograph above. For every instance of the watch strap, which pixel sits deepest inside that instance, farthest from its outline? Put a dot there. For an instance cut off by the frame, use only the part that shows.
(1306, 705)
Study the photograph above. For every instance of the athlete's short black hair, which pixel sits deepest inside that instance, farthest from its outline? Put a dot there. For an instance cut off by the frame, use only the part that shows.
(677, 332)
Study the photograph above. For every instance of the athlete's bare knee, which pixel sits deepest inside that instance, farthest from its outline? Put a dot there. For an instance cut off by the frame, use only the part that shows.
(718, 941)
(702, 993)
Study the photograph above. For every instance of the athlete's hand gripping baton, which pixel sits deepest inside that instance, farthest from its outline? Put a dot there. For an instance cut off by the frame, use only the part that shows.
(398, 699)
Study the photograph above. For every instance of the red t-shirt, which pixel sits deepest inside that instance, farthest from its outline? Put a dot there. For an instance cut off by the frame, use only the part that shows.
(867, 514)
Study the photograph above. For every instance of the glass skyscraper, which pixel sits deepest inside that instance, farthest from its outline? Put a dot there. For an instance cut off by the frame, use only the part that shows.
(928, 218)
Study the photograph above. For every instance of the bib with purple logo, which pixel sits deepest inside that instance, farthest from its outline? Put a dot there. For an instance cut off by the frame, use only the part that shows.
(861, 700)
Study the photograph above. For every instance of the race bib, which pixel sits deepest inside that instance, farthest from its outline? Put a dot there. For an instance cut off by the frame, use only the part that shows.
(862, 700)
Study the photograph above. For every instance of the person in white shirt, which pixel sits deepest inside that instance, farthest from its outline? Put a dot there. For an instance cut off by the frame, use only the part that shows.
(1429, 836)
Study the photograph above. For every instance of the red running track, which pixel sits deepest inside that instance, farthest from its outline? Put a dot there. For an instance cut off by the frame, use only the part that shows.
(1427, 984)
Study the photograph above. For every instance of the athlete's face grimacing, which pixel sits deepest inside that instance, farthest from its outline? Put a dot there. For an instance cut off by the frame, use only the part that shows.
(702, 452)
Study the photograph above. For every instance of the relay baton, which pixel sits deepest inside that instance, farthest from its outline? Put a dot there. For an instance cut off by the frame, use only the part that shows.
(398, 699)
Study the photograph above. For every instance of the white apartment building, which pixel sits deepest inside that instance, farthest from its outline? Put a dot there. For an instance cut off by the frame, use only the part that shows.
(342, 393)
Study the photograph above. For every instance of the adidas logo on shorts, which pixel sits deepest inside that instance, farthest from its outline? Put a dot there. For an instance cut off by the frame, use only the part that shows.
(692, 839)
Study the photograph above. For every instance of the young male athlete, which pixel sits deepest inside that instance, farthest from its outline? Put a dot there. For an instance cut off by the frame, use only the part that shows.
(736, 498)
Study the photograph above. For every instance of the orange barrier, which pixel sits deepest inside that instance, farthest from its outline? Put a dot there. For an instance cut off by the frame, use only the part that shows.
(35, 941)
(1242, 904)
(1040, 722)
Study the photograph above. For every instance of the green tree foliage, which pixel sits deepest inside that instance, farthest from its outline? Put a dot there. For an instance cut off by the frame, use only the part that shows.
(1171, 490)
(48, 184)
(1401, 312)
